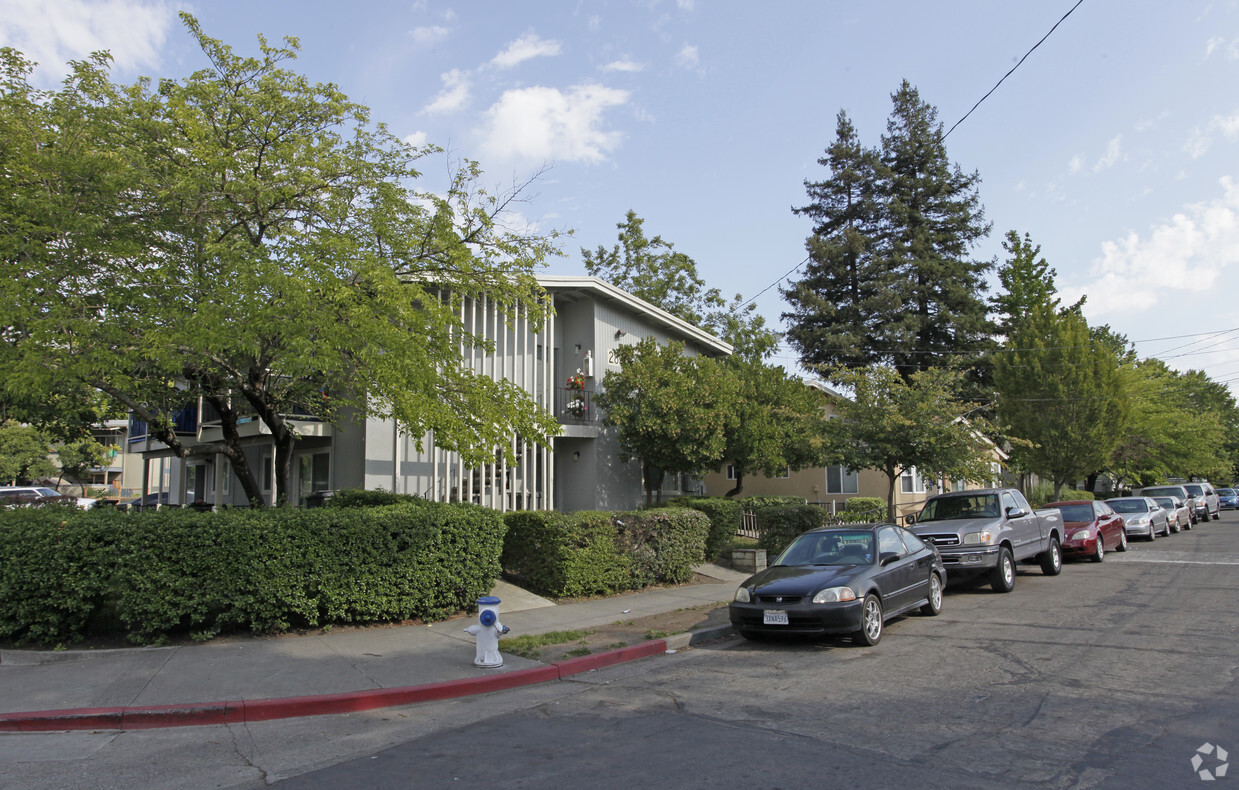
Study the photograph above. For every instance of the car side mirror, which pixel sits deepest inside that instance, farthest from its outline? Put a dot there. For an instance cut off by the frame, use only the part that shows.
(1015, 511)
(888, 557)
(909, 519)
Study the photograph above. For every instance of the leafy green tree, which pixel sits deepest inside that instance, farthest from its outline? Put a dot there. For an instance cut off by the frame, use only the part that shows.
(777, 423)
(838, 306)
(1060, 396)
(672, 412)
(78, 457)
(24, 452)
(894, 424)
(254, 240)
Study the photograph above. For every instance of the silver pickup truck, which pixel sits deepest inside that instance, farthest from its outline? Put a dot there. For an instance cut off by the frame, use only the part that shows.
(988, 531)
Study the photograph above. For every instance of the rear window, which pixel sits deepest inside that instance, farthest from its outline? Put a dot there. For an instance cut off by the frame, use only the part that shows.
(1076, 512)
(1195, 490)
(1129, 505)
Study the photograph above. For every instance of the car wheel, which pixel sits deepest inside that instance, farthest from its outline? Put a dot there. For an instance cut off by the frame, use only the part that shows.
(1100, 553)
(870, 632)
(1122, 540)
(1052, 559)
(1002, 578)
(1187, 526)
(1173, 527)
(1217, 515)
(1152, 534)
(933, 606)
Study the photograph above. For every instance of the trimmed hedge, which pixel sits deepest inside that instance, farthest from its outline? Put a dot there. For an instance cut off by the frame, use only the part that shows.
(600, 553)
(725, 516)
(779, 526)
(756, 502)
(170, 572)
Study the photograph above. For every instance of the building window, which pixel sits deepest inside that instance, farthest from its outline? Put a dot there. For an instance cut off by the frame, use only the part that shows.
(266, 473)
(910, 482)
(731, 472)
(787, 472)
(841, 480)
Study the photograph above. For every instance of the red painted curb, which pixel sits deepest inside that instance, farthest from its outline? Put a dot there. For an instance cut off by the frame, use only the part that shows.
(237, 712)
(575, 666)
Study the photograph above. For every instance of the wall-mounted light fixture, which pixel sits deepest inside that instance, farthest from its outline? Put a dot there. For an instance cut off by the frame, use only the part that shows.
(576, 456)
(619, 333)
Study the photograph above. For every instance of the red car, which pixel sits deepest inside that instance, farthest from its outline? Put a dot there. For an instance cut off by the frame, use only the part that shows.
(1092, 528)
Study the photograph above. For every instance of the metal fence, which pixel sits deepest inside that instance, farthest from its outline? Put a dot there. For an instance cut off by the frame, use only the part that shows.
(748, 520)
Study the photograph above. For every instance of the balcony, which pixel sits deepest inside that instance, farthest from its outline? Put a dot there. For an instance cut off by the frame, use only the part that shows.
(575, 407)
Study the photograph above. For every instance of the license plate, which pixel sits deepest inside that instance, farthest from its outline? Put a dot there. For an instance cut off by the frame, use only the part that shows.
(774, 617)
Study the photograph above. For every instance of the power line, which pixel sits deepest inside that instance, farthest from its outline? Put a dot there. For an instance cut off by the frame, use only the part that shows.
(1013, 68)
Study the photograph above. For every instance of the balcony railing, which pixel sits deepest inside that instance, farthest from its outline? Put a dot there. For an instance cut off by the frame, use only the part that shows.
(575, 406)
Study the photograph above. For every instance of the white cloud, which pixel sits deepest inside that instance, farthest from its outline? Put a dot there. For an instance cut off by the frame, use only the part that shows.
(1212, 45)
(524, 48)
(1076, 164)
(542, 124)
(1201, 139)
(623, 65)
(1111, 156)
(684, 5)
(1184, 255)
(688, 57)
(51, 34)
(417, 139)
(428, 35)
(455, 93)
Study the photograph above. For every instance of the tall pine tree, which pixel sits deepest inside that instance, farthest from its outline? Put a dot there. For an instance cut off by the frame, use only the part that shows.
(890, 277)
(837, 308)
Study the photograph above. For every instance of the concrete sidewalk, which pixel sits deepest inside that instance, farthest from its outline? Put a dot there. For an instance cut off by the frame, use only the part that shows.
(254, 679)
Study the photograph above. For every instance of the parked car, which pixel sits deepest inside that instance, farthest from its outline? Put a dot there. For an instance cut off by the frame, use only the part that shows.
(1177, 510)
(145, 502)
(1206, 500)
(989, 530)
(841, 580)
(1090, 529)
(1227, 499)
(42, 494)
(1141, 516)
(1175, 490)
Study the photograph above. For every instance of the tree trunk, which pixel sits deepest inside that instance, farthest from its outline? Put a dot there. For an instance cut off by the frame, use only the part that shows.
(890, 495)
(739, 484)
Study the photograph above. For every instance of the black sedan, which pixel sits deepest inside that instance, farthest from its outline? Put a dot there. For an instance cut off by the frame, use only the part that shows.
(841, 580)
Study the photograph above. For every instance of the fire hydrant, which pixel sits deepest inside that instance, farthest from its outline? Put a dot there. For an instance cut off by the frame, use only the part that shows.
(487, 630)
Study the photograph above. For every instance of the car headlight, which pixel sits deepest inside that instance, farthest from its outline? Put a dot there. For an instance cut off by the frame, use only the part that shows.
(742, 595)
(835, 595)
(1139, 521)
(973, 538)
(1083, 534)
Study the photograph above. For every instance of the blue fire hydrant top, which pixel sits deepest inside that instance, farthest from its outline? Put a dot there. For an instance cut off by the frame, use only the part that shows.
(488, 600)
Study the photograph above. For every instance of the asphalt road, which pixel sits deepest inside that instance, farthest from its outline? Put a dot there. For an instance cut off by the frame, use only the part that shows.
(1110, 675)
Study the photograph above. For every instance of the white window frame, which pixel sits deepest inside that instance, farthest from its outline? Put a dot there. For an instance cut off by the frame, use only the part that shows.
(910, 482)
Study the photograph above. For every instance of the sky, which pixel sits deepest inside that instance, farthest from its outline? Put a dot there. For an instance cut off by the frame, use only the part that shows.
(1114, 144)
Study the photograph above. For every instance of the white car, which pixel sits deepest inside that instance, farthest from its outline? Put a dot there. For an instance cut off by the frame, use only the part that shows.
(36, 493)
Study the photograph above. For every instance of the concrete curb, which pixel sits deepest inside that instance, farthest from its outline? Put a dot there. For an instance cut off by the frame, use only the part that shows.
(241, 711)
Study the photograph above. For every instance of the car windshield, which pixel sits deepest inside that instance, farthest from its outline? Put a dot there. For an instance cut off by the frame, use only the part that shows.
(1076, 512)
(1129, 505)
(1195, 490)
(952, 507)
(1226, 492)
(837, 547)
(1165, 502)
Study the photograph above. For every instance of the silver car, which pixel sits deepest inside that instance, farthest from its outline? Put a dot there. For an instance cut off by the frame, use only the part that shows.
(1142, 516)
(1180, 515)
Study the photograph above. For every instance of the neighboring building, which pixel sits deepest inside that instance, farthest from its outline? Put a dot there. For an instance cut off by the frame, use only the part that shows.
(832, 486)
(582, 470)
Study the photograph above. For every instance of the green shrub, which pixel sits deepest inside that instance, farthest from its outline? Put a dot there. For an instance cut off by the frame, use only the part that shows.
(725, 515)
(1044, 492)
(753, 503)
(360, 497)
(599, 553)
(778, 526)
(174, 572)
